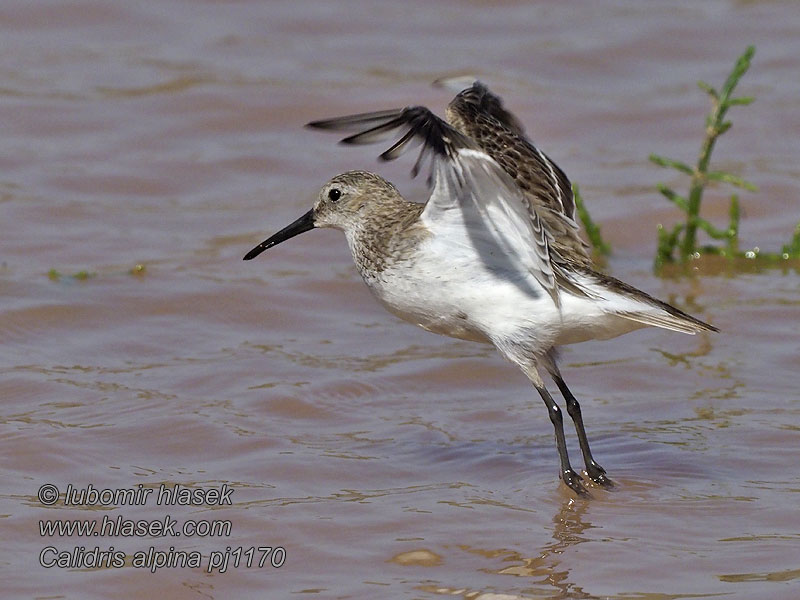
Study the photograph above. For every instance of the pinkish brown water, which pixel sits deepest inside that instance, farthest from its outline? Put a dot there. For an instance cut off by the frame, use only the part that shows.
(386, 462)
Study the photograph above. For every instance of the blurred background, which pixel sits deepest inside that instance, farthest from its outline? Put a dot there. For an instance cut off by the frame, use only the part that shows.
(146, 146)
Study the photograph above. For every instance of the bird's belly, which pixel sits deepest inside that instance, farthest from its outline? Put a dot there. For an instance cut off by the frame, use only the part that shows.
(471, 302)
(437, 315)
(465, 299)
(434, 302)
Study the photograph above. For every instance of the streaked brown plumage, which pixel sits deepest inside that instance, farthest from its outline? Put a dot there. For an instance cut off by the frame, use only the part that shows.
(494, 256)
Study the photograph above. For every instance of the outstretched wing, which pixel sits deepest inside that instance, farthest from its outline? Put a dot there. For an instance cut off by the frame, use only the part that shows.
(472, 197)
(480, 115)
(418, 125)
(470, 91)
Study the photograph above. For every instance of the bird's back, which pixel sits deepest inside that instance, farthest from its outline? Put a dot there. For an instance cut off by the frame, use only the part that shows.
(480, 115)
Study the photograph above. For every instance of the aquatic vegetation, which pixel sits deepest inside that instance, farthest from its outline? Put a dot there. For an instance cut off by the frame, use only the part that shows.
(598, 244)
(679, 244)
(138, 270)
(55, 275)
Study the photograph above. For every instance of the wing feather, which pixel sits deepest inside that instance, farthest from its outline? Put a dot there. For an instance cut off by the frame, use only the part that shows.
(480, 115)
(493, 210)
(494, 213)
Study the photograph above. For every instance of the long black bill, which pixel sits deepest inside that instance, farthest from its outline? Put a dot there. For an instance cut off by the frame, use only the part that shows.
(304, 223)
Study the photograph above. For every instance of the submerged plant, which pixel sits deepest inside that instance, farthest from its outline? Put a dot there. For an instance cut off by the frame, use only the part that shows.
(55, 275)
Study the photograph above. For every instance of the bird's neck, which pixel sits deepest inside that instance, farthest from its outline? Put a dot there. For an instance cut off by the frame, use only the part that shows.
(384, 235)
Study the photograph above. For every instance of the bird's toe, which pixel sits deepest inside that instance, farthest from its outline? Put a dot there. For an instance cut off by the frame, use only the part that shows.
(573, 482)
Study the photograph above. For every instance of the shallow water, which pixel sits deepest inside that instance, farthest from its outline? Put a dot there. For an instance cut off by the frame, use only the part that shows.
(386, 461)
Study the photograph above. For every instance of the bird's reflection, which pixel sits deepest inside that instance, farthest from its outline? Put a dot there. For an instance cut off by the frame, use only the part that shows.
(550, 576)
(546, 567)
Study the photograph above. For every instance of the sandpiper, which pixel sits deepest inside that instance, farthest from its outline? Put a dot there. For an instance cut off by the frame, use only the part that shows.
(494, 255)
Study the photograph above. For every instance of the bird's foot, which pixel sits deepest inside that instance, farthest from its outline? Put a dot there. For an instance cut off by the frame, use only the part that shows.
(598, 475)
(573, 481)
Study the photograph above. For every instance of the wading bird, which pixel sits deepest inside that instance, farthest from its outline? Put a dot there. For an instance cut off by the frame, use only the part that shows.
(494, 255)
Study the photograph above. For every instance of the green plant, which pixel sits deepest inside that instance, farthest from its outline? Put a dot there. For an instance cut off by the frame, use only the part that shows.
(599, 245)
(679, 244)
(55, 275)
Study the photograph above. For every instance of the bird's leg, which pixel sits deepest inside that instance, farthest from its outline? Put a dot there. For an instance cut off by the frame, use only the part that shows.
(570, 477)
(593, 469)
(529, 365)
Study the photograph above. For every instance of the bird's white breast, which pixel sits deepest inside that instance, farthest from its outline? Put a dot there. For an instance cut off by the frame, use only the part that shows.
(450, 290)
(454, 290)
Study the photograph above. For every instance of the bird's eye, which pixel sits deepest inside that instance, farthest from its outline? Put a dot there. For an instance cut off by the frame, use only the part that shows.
(334, 194)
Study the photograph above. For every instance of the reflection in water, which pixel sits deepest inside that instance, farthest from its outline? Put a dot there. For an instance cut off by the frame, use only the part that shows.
(711, 265)
(548, 567)
(550, 576)
(788, 575)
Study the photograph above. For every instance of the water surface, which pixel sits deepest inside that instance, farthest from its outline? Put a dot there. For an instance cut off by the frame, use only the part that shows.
(149, 145)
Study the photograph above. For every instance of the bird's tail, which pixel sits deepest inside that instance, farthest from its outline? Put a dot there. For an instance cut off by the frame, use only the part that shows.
(669, 318)
(643, 308)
